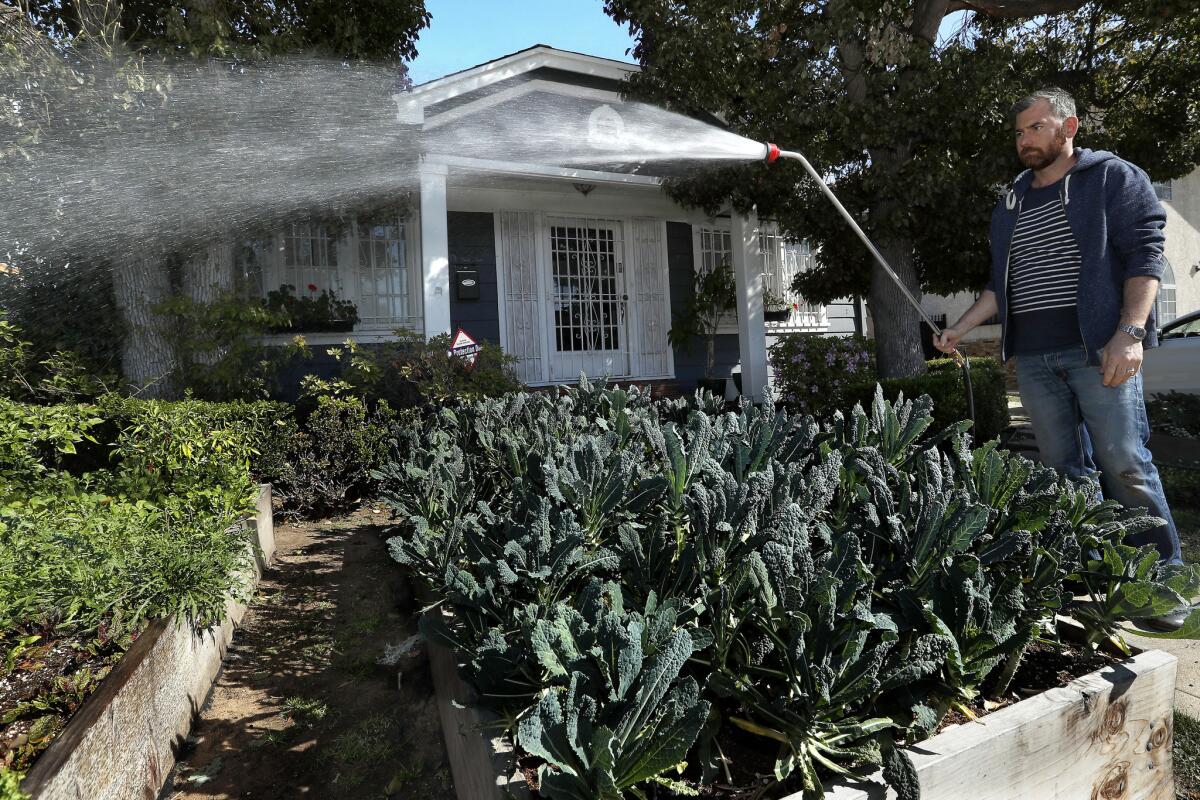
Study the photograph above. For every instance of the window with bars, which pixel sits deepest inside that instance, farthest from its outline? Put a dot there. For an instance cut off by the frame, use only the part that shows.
(308, 257)
(1162, 189)
(716, 248)
(588, 297)
(1164, 307)
(383, 274)
(782, 261)
(369, 263)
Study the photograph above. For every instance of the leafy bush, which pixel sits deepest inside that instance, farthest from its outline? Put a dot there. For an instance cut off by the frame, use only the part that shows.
(140, 526)
(59, 376)
(814, 374)
(1175, 414)
(412, 372)
(944, 385)
(714, 295)
(325, 464)
(1181, 485)
(10, 785)
(217, 347)
(627, 582)
(74, 558)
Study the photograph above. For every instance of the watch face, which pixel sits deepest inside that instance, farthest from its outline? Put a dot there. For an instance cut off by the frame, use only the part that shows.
(1134, 331)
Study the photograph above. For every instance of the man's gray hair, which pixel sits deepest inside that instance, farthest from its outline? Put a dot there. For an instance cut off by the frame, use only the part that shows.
(1062, 104)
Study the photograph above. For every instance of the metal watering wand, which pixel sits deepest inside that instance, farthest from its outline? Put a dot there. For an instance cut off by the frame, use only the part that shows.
(773, 154)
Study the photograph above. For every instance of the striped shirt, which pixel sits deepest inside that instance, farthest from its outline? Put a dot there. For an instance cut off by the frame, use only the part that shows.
(1043, 275)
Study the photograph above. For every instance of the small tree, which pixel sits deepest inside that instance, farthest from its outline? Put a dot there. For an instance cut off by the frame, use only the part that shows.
(714, 295)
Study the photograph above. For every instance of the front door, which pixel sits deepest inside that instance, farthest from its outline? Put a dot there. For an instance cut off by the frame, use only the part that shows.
(588, 304)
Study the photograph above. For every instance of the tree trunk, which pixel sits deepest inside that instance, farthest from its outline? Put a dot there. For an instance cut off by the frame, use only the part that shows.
(146, 360)
(895, 322)
(209, 273)
(206, 277)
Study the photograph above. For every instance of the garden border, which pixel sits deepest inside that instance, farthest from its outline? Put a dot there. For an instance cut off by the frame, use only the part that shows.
(123, 741)
(1104, 735)
(1108, 729)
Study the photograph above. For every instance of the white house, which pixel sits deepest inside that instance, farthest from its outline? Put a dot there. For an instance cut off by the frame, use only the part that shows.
(570, 269)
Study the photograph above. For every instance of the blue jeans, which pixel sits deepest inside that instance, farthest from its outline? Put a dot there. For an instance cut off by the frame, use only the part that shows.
(1081, 424)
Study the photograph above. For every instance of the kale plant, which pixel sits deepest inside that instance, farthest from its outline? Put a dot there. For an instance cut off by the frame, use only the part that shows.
(630, 583)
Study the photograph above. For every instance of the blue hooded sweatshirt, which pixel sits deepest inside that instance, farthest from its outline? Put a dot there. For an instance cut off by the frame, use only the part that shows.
(1118, 225)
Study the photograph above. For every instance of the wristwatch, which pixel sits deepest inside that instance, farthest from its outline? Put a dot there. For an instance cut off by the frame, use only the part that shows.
(1132, 330)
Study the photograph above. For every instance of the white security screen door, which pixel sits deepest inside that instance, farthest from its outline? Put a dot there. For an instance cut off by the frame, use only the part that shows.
(588, 331)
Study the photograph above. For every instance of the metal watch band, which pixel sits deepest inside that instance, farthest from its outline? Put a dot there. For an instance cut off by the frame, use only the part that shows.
(1132, 330)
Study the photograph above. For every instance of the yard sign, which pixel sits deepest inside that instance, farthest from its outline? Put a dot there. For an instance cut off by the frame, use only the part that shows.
(464, 347)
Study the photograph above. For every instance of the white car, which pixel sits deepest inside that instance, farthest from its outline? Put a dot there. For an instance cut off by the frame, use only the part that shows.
(1175, 364)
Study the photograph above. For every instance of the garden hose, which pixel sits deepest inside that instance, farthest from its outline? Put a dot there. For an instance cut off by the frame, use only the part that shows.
(773, 154)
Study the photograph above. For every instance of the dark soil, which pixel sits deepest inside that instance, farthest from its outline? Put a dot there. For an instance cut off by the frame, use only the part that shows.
(1044, 667)
(44, 681)
(302, 708)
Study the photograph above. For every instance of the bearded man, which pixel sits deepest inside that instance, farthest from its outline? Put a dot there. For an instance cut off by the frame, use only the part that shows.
(1077, 255)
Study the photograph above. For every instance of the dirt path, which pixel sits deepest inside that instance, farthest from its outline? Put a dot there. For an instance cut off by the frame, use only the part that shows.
(301, 708)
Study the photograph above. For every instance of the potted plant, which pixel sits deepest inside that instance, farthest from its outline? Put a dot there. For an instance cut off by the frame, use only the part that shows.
(312, 312)
(776, 307)
(714, 294)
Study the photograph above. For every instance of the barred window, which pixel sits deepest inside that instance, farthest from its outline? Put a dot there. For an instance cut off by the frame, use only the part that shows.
(1164, 306)
(368, 262)
(1162, 189)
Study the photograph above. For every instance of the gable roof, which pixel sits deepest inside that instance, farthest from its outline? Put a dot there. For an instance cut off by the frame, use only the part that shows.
(411, 105)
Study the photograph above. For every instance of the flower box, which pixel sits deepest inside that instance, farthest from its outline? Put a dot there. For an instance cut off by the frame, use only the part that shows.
(121, 744)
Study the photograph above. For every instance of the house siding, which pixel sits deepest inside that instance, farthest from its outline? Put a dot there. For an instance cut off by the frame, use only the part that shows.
(472, 243)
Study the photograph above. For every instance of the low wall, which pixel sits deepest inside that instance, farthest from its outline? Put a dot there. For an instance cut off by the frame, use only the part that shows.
(121, 744)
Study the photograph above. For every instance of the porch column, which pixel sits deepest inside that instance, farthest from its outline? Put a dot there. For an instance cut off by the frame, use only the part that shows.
(752, 334)
(435, 249)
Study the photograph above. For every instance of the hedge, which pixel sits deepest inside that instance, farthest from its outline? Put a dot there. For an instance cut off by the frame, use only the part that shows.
(944, 385)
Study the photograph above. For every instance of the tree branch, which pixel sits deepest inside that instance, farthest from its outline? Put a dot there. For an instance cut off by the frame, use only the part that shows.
(926, 19)
(1014, 9)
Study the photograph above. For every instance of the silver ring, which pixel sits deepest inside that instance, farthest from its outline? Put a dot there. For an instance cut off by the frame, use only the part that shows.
(1131, 371)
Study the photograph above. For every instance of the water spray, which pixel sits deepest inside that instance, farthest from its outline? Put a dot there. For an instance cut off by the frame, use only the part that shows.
(772, 154)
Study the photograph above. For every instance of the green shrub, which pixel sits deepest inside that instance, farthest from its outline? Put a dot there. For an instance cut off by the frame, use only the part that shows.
(217, 347)
(944, 385)
(1181, 485)
(72, 557)
(818, 374)
(36, 439)
(54, 377)
(325, 465)
(414, 373)
(10, 785)
(1175, 414)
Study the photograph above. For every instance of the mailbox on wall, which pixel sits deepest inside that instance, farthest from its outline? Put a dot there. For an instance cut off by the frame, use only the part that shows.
(466, 283)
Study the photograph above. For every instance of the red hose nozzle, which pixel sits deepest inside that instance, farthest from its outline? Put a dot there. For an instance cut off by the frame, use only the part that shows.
(772, 152)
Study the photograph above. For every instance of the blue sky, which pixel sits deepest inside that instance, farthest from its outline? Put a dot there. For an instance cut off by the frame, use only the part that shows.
(464, 33)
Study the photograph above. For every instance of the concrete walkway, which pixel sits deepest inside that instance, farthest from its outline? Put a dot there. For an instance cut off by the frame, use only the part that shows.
(1020, 438)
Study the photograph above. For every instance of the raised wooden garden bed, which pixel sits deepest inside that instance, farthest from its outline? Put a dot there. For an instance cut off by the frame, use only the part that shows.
(1104, 736)
(121, 744)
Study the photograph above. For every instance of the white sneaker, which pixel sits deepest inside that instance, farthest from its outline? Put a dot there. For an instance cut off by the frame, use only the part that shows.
(1171, 621)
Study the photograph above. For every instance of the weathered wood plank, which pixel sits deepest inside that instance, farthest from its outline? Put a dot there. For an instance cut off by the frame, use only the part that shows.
(1105, 736)
(481, 761)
